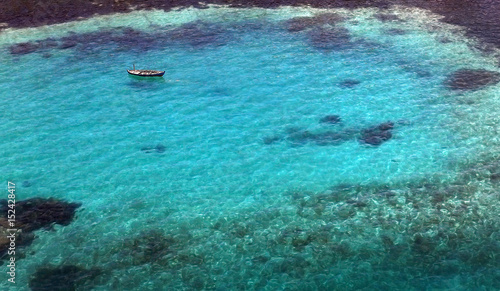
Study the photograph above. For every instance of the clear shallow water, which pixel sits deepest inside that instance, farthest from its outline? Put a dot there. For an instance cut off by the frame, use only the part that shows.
(74, 124)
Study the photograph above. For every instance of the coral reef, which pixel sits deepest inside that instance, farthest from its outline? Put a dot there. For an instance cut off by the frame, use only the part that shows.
(195, 34)
(472, 79)
(323, 138)
(35, 213)
(302, 23)
(31, 215)
(323, 31)
(392, 234)
(330, 119)
(395, 31)
(386, 17)
(23, 48)
(377, 135)
(330, 39)
(198, 34)
(63, 278)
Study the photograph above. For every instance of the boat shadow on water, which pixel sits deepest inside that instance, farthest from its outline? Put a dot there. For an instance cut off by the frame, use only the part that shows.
(137, 82)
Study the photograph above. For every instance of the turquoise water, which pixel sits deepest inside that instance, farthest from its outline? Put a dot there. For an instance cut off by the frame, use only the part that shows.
(235, 212)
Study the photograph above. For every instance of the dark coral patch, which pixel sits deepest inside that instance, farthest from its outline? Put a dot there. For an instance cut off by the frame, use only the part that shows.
(94, 42)
(329, 39)
(421, 73)
(322, 30)
(349, 83)
(159, 148)
(302, 23)
(31, 47)
(387, 17)
(323, 138)
(150, 246)
(377, 135)
(396, 31)
(198, 34)
(172, 251)
(68, 44)
(423, 245)
(299, 23)
(331, 119)
(472, 79)
(272, 139)
(386, 126)
(195, 34)
(48, 43)
(36, 213)
(444, 39)
(495, 177)
(23, 48)
(63, 278)
(31, 215)
(300, 137)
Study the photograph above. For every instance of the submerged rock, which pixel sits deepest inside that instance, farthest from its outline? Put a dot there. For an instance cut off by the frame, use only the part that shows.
(23, 48)
(32, 214)
(386, 126)
(196, 34)
(48, 43)
(423, 244)
(387, 17)
(331, 119)
(472, 79)
(324, 32)
(149, 246)
(375, 135)
(35, 213)
(378, 134)
(171, 251)
(63, 278)
(329, 39)
(322, 138)
(272, 139)
(349, 83)
(300, 137)
(31, 47)
(301, 23)
(118, 39)
(68, 44)
(159, 148)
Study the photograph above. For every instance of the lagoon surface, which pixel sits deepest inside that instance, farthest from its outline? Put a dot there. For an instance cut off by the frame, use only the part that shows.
(284, 149)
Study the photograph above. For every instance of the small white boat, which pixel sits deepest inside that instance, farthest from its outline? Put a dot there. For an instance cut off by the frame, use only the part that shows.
(146, 73)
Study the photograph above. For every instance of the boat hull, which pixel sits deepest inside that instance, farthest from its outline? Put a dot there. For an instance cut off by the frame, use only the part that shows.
(146, 73)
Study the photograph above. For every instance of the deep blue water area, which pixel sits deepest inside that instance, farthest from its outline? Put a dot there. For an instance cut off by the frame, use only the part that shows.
(299, 151)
